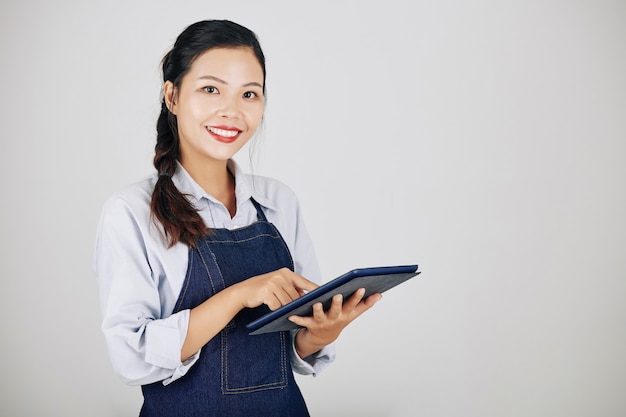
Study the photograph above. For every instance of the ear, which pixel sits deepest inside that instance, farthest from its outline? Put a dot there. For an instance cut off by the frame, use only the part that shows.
(169, 94)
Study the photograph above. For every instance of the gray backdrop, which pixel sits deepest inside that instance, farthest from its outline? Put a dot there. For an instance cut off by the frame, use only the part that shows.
(484, 140)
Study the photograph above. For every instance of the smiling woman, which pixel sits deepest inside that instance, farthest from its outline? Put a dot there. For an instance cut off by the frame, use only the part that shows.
(188, 256)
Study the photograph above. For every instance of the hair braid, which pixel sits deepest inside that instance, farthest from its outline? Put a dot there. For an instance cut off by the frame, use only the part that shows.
(181, 222)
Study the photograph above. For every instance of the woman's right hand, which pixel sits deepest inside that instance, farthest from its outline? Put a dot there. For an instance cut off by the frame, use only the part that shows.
(274, 289)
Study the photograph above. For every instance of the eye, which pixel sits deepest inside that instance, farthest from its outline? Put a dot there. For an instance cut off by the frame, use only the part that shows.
(209, 89)
(250, 94)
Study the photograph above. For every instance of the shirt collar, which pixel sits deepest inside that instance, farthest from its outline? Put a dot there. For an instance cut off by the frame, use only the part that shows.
(244, 186)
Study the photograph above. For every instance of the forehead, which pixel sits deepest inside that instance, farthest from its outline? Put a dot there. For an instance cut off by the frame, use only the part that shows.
(230, 64)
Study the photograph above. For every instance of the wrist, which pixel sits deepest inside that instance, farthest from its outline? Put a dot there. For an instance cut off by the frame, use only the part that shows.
(305, 344)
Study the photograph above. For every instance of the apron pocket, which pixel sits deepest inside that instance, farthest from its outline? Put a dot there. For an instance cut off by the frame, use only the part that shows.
(253, 363)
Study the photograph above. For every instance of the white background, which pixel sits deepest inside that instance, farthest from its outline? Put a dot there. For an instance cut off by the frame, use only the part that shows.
(484, 140)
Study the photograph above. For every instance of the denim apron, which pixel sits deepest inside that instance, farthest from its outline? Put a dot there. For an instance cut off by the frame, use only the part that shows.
(236, 374)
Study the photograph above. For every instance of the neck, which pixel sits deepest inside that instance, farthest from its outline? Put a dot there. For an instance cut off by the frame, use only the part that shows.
(216, 180)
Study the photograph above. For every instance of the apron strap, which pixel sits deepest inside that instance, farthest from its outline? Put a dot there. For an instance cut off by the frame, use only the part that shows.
(259, 212)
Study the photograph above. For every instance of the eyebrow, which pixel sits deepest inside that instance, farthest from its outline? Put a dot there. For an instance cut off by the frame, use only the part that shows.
(219, 80)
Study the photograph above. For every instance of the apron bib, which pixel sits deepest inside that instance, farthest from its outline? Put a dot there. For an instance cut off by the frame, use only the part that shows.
(236, 374)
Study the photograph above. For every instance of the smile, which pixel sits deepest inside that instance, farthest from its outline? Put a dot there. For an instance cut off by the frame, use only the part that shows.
(223, 135)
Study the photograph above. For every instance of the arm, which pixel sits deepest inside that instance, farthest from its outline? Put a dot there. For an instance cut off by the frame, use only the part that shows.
(275, 289)
(142, 336)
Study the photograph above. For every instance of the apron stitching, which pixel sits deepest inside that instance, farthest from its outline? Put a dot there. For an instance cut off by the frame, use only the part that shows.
(186, 283)
(206, 267)
(247, 239)
(282, 242)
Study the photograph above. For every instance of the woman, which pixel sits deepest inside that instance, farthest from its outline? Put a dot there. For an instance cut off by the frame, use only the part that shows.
(190, 255)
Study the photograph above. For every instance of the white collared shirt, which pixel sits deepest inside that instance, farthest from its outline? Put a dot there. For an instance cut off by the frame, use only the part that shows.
(140, 278)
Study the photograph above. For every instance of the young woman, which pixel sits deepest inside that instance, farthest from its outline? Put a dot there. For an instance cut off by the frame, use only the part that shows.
(188, 256)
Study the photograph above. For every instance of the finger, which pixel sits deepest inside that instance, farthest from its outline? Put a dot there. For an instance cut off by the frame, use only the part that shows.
(373, 299)
(355, 299)
(288, 293)
(308, 321)
(273, 302)
(299, 320)
(282, 289)
(318, 312)
(303, 284)
(335, 307)
(366, 304)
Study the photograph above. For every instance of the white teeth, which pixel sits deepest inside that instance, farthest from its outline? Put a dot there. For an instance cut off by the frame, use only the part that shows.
(224, 133)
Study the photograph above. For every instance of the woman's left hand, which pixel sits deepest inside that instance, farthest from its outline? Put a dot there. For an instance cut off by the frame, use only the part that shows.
(323, 328)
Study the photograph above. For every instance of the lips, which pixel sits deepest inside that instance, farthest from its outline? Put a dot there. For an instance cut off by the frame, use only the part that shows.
(224, 134)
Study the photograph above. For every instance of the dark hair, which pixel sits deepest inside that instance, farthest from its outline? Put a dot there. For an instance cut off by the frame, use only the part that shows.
(181, 221)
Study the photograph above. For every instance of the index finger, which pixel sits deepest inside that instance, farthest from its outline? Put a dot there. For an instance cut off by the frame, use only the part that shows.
(303, 284)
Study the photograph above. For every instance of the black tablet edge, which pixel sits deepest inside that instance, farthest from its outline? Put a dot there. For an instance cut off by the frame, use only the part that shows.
(328, 286)
(259, 324)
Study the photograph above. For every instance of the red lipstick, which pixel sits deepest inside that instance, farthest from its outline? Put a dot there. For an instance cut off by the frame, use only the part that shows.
(224, 134)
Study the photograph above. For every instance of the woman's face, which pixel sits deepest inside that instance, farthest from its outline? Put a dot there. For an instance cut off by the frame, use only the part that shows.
(218, 106)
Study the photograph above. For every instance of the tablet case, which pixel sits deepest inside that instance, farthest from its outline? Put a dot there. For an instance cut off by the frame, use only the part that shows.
(374, 280)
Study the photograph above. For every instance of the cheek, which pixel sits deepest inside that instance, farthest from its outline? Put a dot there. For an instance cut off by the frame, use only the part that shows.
(190, 121)
(256, 114)
(193, 104)
(197, 108)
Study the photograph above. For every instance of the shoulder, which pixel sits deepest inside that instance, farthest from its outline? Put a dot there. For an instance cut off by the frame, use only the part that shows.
(130, 202)
(126, 220)
(137, 194)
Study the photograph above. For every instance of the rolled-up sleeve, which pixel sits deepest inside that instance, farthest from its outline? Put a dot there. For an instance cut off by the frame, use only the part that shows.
(313, 364)
(144, 344)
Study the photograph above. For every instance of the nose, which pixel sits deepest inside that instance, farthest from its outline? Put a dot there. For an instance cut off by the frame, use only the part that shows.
(229, 107)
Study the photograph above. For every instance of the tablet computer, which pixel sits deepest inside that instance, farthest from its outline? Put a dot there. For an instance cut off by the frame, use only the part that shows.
(374, 280)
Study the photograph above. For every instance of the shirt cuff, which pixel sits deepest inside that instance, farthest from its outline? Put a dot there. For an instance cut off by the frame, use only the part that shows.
(164, 340)
(182, 369)
(313, 364)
